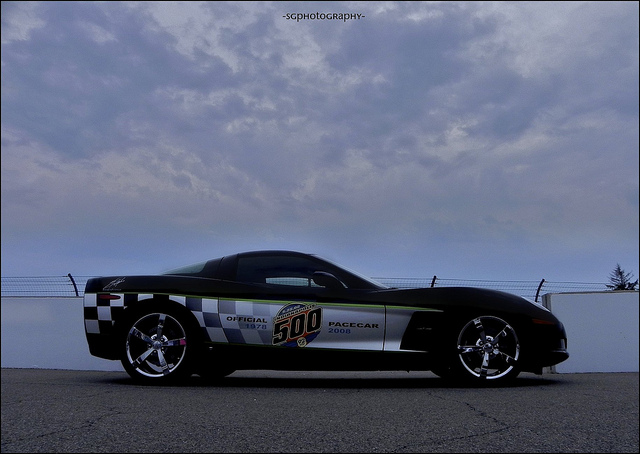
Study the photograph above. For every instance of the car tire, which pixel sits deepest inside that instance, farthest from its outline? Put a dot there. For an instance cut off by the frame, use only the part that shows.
(488, 351)
(159, 346)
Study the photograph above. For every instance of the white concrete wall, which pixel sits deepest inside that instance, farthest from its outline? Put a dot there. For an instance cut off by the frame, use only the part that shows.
(48, 333)
(602, 330)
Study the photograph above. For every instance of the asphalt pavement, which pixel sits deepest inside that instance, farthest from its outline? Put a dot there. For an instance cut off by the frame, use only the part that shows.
(263, 411)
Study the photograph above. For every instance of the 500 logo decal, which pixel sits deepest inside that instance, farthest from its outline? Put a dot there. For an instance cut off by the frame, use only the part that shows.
(296, 324)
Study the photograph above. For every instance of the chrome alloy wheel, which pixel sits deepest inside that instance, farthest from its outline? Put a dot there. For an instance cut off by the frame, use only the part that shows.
(489, 349)
(156, 345)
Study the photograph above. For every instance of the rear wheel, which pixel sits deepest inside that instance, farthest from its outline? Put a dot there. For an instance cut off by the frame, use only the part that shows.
(158, 347)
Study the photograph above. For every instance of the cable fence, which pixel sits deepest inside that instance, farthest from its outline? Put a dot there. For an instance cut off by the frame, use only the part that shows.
(531, 290)
(73, 286)
(47, 286)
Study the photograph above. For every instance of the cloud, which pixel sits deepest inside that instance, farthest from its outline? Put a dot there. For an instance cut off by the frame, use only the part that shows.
(420, 123)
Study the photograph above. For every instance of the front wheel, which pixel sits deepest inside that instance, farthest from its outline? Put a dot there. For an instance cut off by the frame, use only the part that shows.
(157, 348)
(488, 349)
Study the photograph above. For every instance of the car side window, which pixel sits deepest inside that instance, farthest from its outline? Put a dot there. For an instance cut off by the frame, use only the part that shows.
(291, 281)
(278, 270)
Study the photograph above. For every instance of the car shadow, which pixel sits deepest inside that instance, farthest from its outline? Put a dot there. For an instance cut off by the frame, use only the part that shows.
(307, 380)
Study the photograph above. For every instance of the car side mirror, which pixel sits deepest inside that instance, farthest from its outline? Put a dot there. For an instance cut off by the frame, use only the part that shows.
(327, 280)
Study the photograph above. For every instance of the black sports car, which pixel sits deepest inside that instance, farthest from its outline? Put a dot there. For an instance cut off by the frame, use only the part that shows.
(285, 310)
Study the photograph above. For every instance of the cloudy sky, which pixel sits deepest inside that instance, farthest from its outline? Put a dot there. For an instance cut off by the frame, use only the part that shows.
(465, 140)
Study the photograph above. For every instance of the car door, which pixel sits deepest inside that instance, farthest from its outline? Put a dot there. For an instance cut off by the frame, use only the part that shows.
(293, 311)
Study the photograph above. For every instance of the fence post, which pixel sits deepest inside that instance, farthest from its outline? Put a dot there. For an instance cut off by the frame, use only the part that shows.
(75, 287)
(433, 281)
(538, 291)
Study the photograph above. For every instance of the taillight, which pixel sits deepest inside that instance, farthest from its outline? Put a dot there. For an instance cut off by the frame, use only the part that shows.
(109, 297)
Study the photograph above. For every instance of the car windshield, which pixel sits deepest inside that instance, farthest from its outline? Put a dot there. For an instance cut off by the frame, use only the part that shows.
(355, 273)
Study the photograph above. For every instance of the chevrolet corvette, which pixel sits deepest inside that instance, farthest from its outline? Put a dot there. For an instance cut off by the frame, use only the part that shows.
(284, 310)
